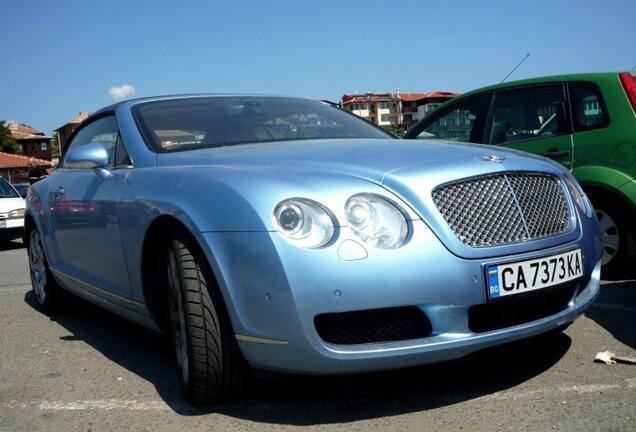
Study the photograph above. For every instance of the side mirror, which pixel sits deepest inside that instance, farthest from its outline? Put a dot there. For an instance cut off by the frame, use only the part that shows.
(88, 156)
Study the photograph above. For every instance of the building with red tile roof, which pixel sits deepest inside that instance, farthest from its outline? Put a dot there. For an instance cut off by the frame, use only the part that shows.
(65, 131)
(32, 142)
(397, 109)
(15, 167)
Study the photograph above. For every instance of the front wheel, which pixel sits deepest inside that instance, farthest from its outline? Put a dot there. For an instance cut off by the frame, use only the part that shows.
(211, 366)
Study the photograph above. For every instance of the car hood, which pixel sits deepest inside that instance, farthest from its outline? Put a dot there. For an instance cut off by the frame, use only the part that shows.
(387, 162)
(8, 204)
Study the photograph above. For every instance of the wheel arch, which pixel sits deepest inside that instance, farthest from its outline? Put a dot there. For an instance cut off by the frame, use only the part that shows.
(29, 223)
(154, 282)
(607, 183)
(153, 269)
(599, 192)
(618, 254)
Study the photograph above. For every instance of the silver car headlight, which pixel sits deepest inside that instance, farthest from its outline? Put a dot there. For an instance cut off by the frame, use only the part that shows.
(303, 222)
(376, 221)
(16, 214)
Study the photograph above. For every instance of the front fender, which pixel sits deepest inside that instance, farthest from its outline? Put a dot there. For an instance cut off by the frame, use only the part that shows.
(219, 200)
(38, 215)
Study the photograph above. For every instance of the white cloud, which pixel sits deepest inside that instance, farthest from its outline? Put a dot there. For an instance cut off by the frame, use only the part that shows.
(122, 92)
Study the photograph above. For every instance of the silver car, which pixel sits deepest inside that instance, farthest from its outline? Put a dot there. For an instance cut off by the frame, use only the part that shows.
(11, 212)
(283, 234)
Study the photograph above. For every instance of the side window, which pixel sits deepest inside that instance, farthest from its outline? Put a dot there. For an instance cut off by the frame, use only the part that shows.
(456, 122)
(122, 158)
(588, 107)
(527, 113)
(103, 130)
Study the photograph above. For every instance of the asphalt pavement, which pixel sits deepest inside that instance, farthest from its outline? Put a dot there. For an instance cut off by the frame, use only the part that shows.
(84, 369)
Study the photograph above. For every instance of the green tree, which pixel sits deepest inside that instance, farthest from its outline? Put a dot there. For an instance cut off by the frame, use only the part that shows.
(395, 130)
(55, 144)
(7, 143)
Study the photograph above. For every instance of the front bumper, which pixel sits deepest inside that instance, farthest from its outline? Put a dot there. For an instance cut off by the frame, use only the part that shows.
(274, 292)
(12, 229)
(332, 359)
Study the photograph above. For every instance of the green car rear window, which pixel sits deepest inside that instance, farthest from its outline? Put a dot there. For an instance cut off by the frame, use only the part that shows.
(588, 107)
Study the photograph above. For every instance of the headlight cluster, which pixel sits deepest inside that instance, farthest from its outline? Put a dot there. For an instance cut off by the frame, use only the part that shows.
(372, 218)
(304, 222)
(376, 221)
(16, 214)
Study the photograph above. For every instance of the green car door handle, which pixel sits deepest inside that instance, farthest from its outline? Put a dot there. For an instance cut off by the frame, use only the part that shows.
(556, 153)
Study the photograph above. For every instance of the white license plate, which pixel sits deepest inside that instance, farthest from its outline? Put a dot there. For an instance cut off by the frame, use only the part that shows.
(3, 223)
(523, 276)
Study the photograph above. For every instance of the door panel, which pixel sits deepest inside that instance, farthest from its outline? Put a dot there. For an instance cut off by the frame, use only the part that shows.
(557, 148)
(87, 225)
(85, 215)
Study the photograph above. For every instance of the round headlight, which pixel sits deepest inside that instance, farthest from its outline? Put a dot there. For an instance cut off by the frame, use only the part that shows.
(290, 218)
(359, 214)
(303, 222)
(376, 221)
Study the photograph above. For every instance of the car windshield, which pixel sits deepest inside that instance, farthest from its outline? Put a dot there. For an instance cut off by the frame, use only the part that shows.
(184, 124)
(6, 190)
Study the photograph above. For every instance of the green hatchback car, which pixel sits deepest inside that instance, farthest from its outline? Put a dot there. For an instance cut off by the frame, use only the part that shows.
(586, 122)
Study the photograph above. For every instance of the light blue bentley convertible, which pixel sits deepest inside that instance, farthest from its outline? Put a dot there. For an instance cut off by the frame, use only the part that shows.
(286, 235)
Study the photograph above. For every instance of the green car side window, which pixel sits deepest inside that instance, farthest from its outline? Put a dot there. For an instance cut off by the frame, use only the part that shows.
(527, 113)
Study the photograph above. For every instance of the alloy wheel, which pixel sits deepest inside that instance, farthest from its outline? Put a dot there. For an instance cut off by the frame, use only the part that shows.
(37, 266)
(610, 235)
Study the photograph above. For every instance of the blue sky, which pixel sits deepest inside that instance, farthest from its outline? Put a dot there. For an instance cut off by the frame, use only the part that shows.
(66, 56)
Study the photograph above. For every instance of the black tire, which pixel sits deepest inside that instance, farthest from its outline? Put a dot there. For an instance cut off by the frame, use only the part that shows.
(45, 288)
(619, 241)
(211, 366)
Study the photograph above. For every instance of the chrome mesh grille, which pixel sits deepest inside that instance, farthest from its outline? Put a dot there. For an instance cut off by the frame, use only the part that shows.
(504, 208)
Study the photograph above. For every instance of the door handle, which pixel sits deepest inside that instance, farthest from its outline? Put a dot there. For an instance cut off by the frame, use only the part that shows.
(556, 153)
(58, 192)
(55, 195)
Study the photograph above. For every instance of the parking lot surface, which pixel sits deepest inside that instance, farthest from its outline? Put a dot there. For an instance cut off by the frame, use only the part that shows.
(84, 369)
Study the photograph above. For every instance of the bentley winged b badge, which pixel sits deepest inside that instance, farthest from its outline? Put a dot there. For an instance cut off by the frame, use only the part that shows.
(491, 158)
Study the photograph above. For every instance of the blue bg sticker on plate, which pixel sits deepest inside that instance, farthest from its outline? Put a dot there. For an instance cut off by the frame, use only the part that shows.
(493, 282)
